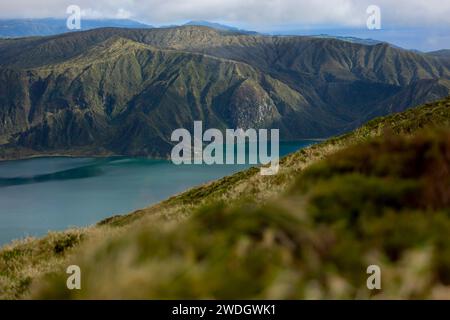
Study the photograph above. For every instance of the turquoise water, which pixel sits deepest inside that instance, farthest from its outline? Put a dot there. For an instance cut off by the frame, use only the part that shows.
(50, 194)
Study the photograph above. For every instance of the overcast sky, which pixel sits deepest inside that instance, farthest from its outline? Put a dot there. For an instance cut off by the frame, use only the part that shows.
(259, 14)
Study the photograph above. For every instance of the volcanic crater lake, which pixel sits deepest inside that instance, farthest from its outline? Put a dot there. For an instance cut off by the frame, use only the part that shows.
(50, 194)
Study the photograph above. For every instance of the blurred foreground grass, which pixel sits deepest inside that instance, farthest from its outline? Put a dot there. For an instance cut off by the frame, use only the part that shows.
(379, 195)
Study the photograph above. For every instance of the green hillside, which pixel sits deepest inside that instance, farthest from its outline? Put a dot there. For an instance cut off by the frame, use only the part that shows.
(379, 195)
(119, 91)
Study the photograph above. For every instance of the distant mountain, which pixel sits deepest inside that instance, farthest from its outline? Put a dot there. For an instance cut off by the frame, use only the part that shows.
(369, 42)
(445, 53)
(123, 91)
(13, 28)
(218, 26)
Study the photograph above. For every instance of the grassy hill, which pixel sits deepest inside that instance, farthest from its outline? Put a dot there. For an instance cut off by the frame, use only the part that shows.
(116, 90)
(379, 195)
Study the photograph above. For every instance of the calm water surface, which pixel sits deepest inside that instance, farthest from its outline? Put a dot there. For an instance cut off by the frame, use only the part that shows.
(49, 194)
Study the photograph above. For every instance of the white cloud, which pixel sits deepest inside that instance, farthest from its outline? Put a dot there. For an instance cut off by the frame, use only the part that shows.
(251, 13)
(123, 14)
(90, 13)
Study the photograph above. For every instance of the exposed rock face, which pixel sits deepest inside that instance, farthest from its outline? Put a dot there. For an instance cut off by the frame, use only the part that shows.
(252, 107)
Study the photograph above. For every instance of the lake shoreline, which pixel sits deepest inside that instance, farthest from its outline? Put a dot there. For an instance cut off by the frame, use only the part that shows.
(55, 191)
(27, 154)
(71, 154)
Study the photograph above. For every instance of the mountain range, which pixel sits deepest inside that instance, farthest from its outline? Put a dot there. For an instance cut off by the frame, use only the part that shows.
(123, 91)
(218, 26)
(13, 28)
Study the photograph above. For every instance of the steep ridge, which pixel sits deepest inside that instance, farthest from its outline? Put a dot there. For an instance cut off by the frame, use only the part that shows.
(124, 103)
(123, 97)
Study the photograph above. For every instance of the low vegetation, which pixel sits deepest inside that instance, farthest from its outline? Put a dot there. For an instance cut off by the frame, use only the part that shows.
(379, 195)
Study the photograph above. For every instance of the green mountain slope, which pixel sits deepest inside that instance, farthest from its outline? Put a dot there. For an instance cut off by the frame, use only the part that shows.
(115, 91)
(379, 195)
(123, 97)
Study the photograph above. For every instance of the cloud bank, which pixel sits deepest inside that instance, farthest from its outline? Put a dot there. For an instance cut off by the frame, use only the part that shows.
(258, 14)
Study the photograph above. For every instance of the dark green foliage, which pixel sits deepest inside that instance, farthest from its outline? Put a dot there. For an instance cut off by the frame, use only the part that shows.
(68, 241)
(415, 170)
